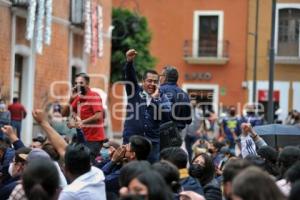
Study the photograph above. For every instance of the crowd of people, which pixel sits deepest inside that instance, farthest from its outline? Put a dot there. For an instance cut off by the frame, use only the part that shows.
(151, 163)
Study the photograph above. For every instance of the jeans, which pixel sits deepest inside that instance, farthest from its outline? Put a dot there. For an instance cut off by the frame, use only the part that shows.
(17, 125)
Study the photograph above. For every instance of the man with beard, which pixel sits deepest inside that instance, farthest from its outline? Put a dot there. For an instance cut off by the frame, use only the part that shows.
(147, 107)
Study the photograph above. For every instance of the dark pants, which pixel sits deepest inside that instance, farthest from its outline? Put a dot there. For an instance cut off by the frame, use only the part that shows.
(18, 126)
(95, 147)
(189, 141)
(154, 154)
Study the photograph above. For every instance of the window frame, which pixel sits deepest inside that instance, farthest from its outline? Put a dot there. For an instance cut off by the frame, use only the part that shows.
(280, 6)
(220, 15)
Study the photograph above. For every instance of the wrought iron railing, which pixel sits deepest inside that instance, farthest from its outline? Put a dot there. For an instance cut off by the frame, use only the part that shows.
(206, 48)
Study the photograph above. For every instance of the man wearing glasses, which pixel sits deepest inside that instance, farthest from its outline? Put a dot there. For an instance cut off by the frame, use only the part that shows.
(147, 107)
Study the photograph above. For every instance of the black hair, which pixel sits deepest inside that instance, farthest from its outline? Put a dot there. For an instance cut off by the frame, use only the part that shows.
(141, 146)
(170, 174)
(287, 157)
(157, 187)
(270, 155)
(77, 159)
(295, 191)
(49, 148)
(15, 99)
(175, 155)
(233, 167)
(251, 184)
(39, 139)
(256, 161)
(83, 75)
(149, 71)
(293, 173)
(40, 180)
(171, 74)
(131, 170)
(208, 169)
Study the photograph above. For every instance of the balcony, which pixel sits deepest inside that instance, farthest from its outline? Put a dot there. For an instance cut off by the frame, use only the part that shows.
(206, 52)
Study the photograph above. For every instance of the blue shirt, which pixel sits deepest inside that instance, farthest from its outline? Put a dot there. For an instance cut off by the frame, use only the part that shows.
(143, 119)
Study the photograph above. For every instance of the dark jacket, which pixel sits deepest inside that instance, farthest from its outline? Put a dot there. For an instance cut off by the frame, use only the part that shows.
(142, 119)
(6, 189)
(212, 190)
(191, 184)
(180, 103)
(112, 172)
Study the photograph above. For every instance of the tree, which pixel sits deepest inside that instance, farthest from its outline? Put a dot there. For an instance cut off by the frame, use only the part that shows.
(130, 31)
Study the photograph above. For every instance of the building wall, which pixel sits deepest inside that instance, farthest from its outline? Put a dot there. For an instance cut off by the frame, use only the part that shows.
(5, 48)
(47, 76)
(284, 73)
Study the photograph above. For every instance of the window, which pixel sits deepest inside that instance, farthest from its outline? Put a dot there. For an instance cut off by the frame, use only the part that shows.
(75, 70)
(18, 76)
(208, 34)
(288, 32)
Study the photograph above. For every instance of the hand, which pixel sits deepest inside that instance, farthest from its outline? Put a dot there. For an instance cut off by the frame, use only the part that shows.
(39, 116)
(118, 154)
(246, 128)
(130, 55)
(78, 124)
(10, 133)
(156, 93)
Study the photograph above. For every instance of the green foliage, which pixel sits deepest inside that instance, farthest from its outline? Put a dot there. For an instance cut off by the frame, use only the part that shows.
(130, 32)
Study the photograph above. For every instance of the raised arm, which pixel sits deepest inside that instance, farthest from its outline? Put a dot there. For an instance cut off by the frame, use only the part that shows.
(55, 139)
(130, 74)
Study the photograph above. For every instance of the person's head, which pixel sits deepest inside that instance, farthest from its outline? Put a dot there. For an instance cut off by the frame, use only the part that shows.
(270, 155)
(175, 155)
(232, 111)
(295, 191)
(40, 180)
(151, 185)
(231, 169)
(287, 157)
(51, 151)
(77, 161)
(202, 168)
(251, 184)
(15, 99)
(37, 142)
(150, 81)
(138, 148)
(17, 166)
(169, 75)
(132, 170)
(82, 81)
(293, 173)
(170, 174)
(215, 147)
(256, 161)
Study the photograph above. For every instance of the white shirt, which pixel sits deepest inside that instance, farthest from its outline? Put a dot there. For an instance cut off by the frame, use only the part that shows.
(89, 186)
(247, 146)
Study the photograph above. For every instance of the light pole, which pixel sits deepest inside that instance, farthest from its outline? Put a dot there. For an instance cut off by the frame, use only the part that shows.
(271, 67)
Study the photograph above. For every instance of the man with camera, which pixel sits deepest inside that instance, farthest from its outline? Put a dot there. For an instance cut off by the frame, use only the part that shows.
(88, 110)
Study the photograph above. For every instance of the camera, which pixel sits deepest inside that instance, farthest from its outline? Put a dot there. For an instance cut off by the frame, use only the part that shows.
(80, 89)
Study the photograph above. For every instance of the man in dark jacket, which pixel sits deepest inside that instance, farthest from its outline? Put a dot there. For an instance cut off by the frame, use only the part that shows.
(147, 107)
(181, 108)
